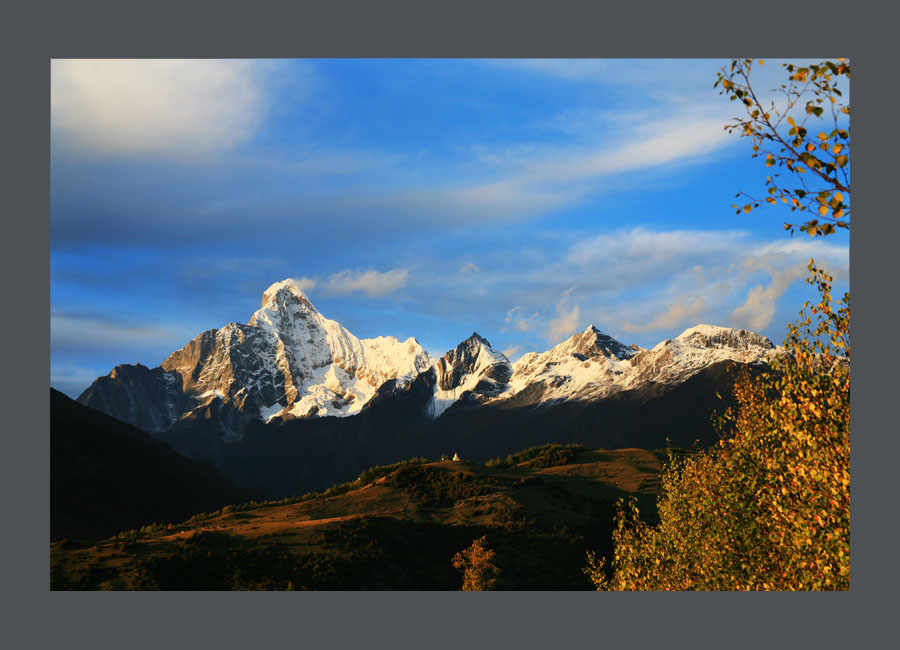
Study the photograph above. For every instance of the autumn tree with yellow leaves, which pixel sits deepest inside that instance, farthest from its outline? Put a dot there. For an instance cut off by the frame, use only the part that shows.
(476, 564)
(767, 508)
(806, 134)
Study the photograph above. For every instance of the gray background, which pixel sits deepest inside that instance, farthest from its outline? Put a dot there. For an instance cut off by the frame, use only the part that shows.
(34, 33)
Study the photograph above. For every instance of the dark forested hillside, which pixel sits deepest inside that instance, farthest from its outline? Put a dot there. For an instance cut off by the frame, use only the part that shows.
(398, 527)
(107, 476)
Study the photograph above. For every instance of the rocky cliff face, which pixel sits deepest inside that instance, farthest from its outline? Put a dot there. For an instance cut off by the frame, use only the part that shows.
(473, 372)
(151, 399)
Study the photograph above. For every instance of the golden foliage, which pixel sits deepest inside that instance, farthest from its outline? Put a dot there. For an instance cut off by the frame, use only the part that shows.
(781, 133)
(475, 563)
(769, 506)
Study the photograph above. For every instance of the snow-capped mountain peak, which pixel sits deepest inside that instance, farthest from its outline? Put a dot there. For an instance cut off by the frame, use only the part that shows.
(473, 367)
(674, 360)
(289, 361)
(282, 291)
(713, 336)
(585, 363)
(472, 356)
(283, 303)
(592, 343)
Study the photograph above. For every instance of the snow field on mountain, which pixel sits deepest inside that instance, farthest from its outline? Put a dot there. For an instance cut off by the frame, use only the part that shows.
(289, 361)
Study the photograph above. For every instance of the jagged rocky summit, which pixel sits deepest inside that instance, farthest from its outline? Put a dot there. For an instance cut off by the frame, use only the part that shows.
(290, 362)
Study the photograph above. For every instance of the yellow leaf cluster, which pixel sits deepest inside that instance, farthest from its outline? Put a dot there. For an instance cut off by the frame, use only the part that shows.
(476, 564)
(769, 506)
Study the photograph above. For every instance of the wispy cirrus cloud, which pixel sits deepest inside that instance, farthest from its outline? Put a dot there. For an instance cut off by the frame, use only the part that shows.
(758, 310)
(535, 179)
(784, 263)
(75, 328)
(517, 319)
(666, 75)
(639, 281)
(99, 336)
(675, 279)
(567, 319)
(513, 352)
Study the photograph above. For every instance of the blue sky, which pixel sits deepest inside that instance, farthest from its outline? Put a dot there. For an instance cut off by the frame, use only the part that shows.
(523, 199)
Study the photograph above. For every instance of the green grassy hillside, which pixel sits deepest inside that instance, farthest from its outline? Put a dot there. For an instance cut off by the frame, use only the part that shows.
(397, 527)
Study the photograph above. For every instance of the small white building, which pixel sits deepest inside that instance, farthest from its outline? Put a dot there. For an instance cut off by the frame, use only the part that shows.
(455, 456)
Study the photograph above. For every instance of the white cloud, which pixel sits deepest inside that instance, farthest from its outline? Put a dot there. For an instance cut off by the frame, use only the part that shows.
(656, 249)
(536, 179)
(651, 284)
(196, 107)
(685, 311)
(507, 199)
(785, 262)
(651, 144)
(517, 320)
(370, 282)
(468, 268)
(758, 310)
(667, 74)
(304, 284)
(669, 280)
(833, 257)
(513, 352)
(567, 319)
(655, 112)
(152, 106)
(667, 80)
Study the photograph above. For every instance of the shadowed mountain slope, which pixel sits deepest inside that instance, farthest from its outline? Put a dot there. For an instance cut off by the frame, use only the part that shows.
(297, 456)
(107, 476)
